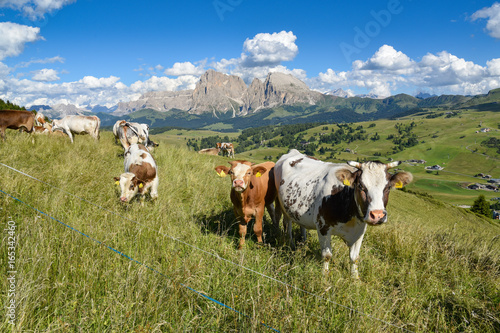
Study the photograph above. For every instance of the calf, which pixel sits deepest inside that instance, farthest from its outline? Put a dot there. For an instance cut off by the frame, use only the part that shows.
(335, 199)
(78, 125)
(140, 174)
(252, 189)
(16, 119)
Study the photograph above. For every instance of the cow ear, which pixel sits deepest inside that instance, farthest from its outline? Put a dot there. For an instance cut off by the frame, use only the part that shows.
(393, 164)
(346, 177)
(258, 171)
(355, 164)
(222, 170)
(117, 180)
(401, 179)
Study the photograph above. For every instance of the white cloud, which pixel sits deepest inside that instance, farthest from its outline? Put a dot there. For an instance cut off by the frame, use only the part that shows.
(41, 61)
(269, 49)
(13, 36)
(35, 9)
(163, 83)
(45, 75)
(493, 15)
(493, 67)
(389, 71)
(92, 82)
(387, 58)
(185, 68)
(261, 55)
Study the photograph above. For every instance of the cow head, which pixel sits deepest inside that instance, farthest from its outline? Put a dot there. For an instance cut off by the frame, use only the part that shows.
(372, 183)
(241, 173)
(130, 185)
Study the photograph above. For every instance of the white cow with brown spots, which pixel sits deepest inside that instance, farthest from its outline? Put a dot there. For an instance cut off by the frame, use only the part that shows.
(335, 199)
(140, 174)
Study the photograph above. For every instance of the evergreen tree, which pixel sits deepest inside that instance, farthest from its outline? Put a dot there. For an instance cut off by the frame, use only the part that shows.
(481, 206)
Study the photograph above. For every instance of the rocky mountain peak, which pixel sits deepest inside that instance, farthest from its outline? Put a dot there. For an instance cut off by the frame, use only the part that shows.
(218, 92)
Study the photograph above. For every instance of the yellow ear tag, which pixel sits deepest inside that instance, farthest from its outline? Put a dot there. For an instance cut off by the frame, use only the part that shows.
(258, 174)
(117, 182)
(347, 182)
(399, 184)
(222, 173)
(141, 185)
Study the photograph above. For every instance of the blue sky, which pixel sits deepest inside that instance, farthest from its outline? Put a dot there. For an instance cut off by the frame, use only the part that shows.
(105, 51)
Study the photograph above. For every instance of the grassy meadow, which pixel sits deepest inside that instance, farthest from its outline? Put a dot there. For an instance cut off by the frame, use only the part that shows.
(431, 268)
(451, 142)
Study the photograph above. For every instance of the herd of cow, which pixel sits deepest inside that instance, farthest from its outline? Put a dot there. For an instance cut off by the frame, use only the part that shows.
(335, 199)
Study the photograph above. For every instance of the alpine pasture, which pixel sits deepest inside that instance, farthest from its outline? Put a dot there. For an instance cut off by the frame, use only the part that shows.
(431, 268)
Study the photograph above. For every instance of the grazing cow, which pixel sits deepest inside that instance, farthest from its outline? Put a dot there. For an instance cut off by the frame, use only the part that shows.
(252, 189)
(140, 174)
(41, 130)
(129, 133)
(16, 119)
(78, 125)
(40, 119)
(226, 148)
(209, 151)
(335, 199)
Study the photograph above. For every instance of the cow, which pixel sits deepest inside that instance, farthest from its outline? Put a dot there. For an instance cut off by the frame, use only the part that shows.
(16, 119)
(335, 199)
(140, 174)
(209, 151)
(76, 124)
(129, 133)
(226, 148)
(252, 190)
(40, 119)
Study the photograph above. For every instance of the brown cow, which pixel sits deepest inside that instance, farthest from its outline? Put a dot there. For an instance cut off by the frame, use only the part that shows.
(16, 119)
(252, 189)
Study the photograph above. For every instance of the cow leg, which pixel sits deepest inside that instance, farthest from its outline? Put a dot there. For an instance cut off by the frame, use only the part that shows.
(325, 242)
(3, 134)
(276, 217)
(68, 131)
(242, 229)
(304, 234)
(257, 226)
(154, 189)
(287, 224)
(354, 256)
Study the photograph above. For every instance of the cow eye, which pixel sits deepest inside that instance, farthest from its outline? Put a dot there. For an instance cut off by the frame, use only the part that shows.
(361, 188)
(230, 172)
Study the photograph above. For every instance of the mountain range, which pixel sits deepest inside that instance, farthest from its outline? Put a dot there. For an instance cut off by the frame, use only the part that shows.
(222, 98)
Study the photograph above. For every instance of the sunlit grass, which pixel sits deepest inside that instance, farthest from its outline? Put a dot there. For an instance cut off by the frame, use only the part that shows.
(431, 268)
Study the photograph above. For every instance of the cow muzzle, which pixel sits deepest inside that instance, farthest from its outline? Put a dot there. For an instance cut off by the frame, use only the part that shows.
(376, 217)
(123, 199)
(239, 185)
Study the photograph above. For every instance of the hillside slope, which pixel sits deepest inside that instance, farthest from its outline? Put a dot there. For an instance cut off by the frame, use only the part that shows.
(432, 267)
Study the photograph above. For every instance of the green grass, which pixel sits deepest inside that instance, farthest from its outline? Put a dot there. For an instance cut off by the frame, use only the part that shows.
(431, 268)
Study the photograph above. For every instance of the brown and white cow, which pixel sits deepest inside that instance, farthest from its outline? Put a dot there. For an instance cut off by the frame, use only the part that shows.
(252, 191)
(140, 174)
(76, 124)
(129, 133)
(16, 119)
(335, 199)
(227, 148)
